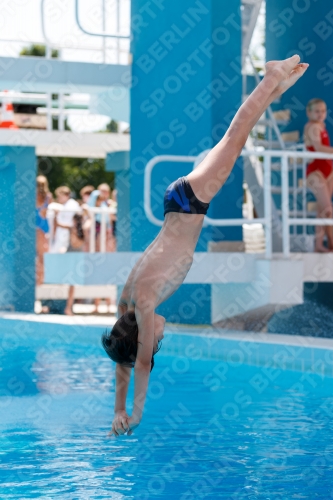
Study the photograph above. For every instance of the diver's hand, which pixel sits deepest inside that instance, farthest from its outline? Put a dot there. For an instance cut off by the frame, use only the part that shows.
(133, 423)
(120, 424)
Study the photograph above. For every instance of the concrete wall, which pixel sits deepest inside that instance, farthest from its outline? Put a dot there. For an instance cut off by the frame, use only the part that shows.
(218, 285)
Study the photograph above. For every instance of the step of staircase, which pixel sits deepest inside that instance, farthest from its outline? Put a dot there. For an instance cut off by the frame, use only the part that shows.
(291, 190)
(282, 114)
(273, 144)
(299, 213)
(293, 136)
(276, 166)
(268, 123)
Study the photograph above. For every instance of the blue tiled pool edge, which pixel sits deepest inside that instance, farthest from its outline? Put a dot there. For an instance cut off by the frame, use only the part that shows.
(270, 351)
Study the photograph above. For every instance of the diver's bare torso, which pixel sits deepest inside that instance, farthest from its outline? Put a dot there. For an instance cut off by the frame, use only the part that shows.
(165, 263)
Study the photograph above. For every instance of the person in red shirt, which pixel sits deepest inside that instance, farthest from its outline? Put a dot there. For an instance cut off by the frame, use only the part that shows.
(320, 172)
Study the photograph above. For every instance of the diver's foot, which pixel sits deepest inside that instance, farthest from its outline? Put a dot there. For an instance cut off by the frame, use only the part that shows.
(68, 311)
(284, 74)
(322, 249)
(283, 67)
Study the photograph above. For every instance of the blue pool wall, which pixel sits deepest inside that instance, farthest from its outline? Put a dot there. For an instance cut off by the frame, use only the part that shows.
(304, 28)
(270, 352)
(17, 228)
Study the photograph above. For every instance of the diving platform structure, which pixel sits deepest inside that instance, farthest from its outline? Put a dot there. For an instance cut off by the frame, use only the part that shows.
(37, 74)
(235, 283)
(110, 89)
(226, 285)
(66, 144)
(178, 89)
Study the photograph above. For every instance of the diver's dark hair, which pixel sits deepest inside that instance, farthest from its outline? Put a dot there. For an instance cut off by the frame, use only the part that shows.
(121, 343)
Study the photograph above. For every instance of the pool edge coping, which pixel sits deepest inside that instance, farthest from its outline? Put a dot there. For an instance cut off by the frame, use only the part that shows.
(203, 331)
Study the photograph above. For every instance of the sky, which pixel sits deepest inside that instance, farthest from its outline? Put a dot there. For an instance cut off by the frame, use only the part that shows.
(21, 20)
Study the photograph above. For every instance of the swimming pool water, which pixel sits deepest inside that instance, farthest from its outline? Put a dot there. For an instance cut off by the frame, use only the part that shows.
(210, 430)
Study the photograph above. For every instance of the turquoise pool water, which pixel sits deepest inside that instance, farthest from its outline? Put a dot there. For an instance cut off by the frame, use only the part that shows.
(211, 429)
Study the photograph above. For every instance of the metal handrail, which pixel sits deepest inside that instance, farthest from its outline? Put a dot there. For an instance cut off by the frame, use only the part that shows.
(83, 208)
(287, 221)
(90, 33)
(147, 182)
(207, 220)
(51, 44)
(103, 211)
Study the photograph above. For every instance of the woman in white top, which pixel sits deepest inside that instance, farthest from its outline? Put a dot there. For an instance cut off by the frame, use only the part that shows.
(63, 220)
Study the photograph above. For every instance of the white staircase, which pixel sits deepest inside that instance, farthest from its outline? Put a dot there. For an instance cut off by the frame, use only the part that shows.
(301, 201)
(269, 134)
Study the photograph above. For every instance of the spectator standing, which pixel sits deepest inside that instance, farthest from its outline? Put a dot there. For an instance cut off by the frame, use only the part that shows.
(113, 217)
(43, 198)
(63, 220)
(101, 198)
(86, 221)
(76, 245)
(86, 192)
(320, 172)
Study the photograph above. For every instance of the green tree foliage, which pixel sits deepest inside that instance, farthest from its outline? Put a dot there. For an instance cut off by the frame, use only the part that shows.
(74, 172)
(112, 126)
(37, 51)
(55, 124)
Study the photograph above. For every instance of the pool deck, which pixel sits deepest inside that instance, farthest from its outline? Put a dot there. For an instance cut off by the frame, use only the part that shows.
(270, 352)
(61, 319)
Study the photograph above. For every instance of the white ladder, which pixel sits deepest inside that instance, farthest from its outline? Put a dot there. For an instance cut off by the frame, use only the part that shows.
(250, 13)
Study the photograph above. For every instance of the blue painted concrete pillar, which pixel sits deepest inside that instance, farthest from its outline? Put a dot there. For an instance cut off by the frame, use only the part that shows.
(17, 228)
(303, 27)
(226, 88)
(186, 88)
(118, 163)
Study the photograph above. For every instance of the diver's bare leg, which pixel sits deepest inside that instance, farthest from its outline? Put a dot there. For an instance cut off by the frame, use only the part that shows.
(208, 178)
